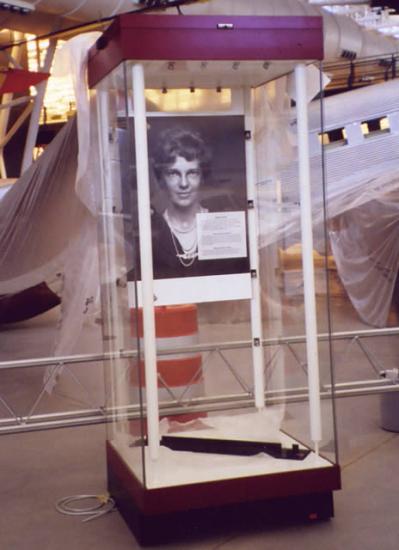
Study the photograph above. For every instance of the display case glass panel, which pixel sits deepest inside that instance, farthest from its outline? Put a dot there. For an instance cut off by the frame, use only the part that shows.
(225, 245)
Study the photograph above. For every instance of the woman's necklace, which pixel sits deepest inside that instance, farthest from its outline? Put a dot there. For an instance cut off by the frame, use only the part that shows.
(183, 228)
(189, 254)
(186, 237)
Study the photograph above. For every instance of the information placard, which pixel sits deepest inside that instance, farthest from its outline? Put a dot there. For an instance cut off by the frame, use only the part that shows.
(221, 235)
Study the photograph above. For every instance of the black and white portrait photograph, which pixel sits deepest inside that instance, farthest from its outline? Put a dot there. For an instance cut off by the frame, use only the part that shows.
(198, 171)
(198, 195)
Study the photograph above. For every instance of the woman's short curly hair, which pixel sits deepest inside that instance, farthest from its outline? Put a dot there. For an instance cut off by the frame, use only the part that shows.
(180, 142)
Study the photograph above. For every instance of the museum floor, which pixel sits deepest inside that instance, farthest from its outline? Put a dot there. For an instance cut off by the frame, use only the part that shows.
(39, 468)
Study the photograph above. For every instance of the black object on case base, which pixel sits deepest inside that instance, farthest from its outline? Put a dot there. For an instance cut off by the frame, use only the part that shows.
(233, 447)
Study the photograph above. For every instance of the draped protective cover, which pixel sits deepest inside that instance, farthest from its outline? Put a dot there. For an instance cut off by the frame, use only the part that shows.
(48, 226)
(48, 220)
(360, 195)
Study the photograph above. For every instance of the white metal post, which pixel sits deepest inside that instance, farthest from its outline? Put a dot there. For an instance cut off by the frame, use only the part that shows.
(33, 129)
(256, 310)
(307, 255)
(147, 275)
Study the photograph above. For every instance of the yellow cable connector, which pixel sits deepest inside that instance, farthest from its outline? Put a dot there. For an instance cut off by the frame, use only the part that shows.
(103, 498)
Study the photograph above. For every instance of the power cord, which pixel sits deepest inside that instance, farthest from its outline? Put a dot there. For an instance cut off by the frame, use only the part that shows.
(103, 505)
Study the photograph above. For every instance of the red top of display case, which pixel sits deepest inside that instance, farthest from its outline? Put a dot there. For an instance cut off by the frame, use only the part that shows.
(205, 38)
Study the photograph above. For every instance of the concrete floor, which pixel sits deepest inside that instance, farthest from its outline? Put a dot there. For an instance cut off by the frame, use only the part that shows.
(39, 468)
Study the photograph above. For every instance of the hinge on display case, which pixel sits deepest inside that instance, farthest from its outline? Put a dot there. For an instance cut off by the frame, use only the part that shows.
(247, 135)
(121, 282)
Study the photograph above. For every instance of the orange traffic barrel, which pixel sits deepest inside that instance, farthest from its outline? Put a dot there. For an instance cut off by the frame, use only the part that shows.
(180, 376)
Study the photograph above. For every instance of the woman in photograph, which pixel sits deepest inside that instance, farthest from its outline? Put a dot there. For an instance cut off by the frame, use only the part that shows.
(181, 164)
(181, 161)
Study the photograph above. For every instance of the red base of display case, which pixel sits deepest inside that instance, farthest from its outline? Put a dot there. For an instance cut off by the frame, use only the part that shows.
(157, 516)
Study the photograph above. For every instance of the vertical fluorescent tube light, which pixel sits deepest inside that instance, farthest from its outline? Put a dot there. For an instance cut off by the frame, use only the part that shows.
(147, 275)
(307, 255)
(256, 311)
(113, 322)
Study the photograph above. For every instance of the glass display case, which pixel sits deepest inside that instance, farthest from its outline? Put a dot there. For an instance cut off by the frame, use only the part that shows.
(214, 282)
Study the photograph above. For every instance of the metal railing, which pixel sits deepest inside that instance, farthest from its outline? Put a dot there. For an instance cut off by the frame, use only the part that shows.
(94, 415)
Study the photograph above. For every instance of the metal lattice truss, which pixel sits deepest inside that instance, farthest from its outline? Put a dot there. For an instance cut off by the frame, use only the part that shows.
(13, 421)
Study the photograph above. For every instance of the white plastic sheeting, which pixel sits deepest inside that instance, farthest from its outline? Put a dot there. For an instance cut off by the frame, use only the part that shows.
(361, 193)
(71, 60)
(47, 234)
(48, 222)
(34, 231)
(365, 245)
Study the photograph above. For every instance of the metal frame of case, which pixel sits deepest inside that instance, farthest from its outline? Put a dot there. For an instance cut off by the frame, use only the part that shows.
(156, 514)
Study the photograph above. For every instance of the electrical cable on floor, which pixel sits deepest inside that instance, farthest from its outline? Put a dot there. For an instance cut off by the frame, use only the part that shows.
(103, 505)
